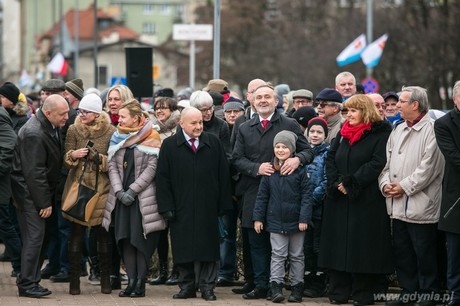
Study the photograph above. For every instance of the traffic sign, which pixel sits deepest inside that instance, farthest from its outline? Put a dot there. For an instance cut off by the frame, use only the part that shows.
(370, 85)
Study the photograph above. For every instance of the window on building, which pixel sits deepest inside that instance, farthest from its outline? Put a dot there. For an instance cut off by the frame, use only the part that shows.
(165, 9)
(103, 72)
(148, 28)
(147, 9)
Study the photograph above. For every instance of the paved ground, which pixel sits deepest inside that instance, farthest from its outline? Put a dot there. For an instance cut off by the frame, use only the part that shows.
(91, 296)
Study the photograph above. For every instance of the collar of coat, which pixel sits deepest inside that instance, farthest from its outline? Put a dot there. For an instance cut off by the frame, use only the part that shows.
(256, 119)
(204, 140)
(419, 125)
(44, 122)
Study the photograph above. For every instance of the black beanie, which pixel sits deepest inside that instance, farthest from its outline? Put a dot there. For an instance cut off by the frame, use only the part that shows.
(10, 91)
(318, 121)
(304, 114)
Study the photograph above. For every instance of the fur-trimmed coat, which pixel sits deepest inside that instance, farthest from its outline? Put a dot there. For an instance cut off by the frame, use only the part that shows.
(18, 115)
(167, 128)
(78, 136)
(356, 225)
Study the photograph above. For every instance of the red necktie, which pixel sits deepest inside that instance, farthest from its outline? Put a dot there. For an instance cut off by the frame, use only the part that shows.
(192, 143)
(265, 123)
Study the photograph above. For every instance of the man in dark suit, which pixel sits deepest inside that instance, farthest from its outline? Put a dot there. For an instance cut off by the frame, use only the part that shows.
(35, 175)
(193, 188)
(252, 155)
(447, 130)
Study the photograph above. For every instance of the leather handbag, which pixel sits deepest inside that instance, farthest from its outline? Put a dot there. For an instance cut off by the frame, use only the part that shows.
(80, 200)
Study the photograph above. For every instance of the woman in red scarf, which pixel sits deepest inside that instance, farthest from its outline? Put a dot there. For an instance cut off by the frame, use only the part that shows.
(355, 240)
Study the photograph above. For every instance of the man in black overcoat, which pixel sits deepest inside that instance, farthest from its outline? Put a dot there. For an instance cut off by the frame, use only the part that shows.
(36, 172)
(252, 156)
(193, 189)
(447, 130)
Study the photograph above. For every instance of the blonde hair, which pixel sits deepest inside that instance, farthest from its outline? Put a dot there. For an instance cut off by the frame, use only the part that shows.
(366, 106)
(135, 109)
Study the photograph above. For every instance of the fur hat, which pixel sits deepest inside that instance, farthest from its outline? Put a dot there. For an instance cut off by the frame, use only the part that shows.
(75, 87)
(54, 85)
(10, 91)
(164, 92)
(91, 102)
(233, 103)
(304, 114)
(318, 121)
(329, 94)
(217, 85)
(287, 138)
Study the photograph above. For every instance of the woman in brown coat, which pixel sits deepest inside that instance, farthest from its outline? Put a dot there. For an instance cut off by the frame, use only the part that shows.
(92, 125)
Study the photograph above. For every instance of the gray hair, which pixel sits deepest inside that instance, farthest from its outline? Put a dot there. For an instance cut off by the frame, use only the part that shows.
(419, 94)
(344, 74)
(200, 99)
(456, 89)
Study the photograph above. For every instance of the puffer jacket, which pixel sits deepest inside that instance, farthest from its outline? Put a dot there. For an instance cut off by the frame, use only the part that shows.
(144, 185)
(283, 202)
(78, 136)
(415, 161)
(318, 180)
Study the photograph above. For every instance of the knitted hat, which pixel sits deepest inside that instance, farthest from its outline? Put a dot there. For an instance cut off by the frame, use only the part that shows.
(287, 138)
(318, 121)
(91, 102)
(75, 87)
(54, 85)
(217, 85)
(233, 103)
(10, 91)
(329, 94)
(304, 114)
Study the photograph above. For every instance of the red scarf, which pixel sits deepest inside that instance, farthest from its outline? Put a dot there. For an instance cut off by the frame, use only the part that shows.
(354, 133)
(114, 118)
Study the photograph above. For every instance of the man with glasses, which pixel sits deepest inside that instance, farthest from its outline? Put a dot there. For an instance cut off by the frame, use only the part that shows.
(329, 107)
(379, 103)
(301, 97)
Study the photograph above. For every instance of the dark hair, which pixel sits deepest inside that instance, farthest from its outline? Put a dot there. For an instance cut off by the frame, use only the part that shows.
(166, 102)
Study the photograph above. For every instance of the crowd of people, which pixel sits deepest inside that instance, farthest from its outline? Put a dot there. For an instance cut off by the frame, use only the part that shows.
(332, 193)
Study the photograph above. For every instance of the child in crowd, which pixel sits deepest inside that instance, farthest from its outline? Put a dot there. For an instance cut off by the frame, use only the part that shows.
(283, 208)
(315, 280)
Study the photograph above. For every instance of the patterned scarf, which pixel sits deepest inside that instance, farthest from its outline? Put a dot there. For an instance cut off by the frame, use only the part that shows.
(354, 133)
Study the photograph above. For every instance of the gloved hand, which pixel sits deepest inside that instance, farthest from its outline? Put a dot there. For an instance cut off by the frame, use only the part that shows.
(169, 215)
(93, 154)
(120, 194)
(128, 197)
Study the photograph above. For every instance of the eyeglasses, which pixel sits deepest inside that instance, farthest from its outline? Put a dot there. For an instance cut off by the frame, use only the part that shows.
(302, 101)
(161, 108)
(324, 103)
(83, 112)
(207, 110)
(402, 101)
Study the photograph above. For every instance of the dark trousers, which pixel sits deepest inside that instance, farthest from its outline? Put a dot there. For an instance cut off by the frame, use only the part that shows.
(227, 267)
(311, 246)
(10, 237)
(247, 260)
(415, 256)
(163, 246)
(361, 287)
(34, 233)
(453, 265)
(261, 255)
(197, 274)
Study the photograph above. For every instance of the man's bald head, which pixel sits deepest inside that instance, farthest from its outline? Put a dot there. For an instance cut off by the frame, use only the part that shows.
(252, 85)
(56, 110)
(191, 122)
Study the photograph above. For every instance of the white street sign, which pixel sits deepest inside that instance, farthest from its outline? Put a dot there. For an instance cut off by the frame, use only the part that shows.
(192, 32)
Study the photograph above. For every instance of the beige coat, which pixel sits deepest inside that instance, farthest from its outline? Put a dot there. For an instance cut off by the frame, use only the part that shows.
(415, 161)
(77, 137)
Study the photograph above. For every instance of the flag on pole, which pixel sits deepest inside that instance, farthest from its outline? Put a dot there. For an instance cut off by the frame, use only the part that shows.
(352, 52)
(58, 64)
(371, 56)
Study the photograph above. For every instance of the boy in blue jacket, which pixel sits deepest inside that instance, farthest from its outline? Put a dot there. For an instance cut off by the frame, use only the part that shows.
(283, 208)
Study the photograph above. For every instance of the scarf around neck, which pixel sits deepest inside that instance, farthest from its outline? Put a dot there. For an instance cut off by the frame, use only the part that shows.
(354, 133)
(144, 138)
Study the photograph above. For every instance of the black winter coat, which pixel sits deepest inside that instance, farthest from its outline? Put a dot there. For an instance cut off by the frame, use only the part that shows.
(220, 129)
(254, 146)
(355, 233)
(447, 130)
(197, 188)
(37, 163)
(283, 202)
(7, 142)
